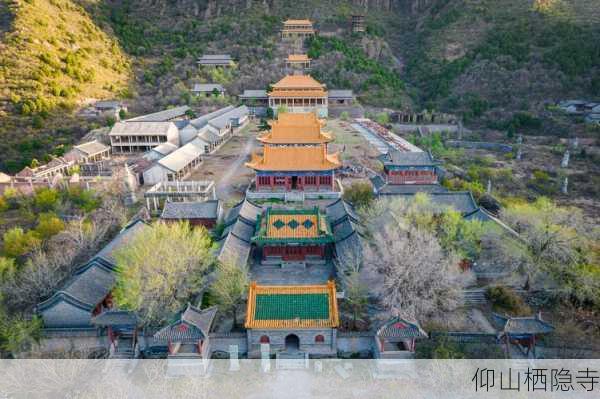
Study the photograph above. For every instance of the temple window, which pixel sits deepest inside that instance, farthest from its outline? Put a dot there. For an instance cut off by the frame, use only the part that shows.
(264, 339)
(319, 339)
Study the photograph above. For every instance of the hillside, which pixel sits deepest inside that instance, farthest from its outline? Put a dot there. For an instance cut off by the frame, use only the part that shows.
(487, 59)
(52, 58)
(496, 64)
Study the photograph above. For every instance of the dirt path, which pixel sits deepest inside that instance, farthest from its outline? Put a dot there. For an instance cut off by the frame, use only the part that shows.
(224, 186)
(481, 321)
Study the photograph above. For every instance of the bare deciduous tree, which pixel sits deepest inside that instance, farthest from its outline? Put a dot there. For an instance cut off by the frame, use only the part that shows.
(417, 277)
(62, 254)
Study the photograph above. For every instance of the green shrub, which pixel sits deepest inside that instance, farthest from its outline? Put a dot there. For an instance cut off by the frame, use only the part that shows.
(505, 299)
(18, 242)
(359, 194)
(46, 199)
(48, 225)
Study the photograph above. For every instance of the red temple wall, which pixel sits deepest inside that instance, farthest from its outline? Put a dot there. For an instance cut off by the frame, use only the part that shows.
(412, 177)
(294, 252)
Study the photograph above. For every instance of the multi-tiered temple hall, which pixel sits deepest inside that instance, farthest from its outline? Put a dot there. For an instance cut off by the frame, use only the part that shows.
(299, 93)
(295, 156)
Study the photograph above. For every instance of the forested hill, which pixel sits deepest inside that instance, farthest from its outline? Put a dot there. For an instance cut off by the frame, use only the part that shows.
(482, 59)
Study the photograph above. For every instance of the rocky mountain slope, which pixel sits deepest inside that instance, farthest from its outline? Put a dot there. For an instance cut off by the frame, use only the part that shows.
(490, 62)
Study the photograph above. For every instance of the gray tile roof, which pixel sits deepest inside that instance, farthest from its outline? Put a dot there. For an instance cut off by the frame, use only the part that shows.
(221, 122)
(190, 130)
(339, 210)
(522, 325)
(207, 87)
(181, 157)
(115, 317)
(131, 128)
(165, 148)
(399, 189)
(123, 238)
(344, 226)
(241, 225)
(91, 283)
(400, 158)
(162, 116)
(399, 329)
(260, 94)
(340, 94)
(215, 59)
(92, 147)
(461, 201)
(209, 137)
(235, 250)
(191, 210)
(199, 323)
(107, 104)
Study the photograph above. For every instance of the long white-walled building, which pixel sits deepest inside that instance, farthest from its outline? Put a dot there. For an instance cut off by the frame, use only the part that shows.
(175, 166)
(134, 136)
(199, 136)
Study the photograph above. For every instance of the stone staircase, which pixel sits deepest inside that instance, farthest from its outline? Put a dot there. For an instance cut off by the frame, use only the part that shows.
(475, 296)
(124, 350)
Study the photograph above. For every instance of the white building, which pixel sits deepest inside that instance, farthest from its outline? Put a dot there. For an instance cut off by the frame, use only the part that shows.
(176, 166)
(134, 136)
(199, 136)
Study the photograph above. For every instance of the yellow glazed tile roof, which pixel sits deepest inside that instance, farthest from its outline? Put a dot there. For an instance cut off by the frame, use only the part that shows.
(298, 22)
(292, 226)
(298, 58)
(298, 82)
(292, 307)
(294, 158)
(301, 128)
(288, 93)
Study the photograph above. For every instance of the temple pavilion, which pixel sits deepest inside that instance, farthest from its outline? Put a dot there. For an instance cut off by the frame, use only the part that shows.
(292, 318)
(297, 29)
(286, 236)
(299, 93)
(301, 61)
(409, 167)
(295, 156)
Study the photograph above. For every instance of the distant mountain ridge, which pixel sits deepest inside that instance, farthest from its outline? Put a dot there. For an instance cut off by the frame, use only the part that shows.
(485, 60)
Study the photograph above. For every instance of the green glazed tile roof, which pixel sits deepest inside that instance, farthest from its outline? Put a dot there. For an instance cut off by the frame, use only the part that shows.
(292, 306)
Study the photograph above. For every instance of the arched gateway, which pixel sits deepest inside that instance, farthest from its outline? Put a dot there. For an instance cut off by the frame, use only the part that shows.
(292, 343)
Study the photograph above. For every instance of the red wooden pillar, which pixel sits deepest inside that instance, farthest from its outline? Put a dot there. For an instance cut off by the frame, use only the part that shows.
(318, 178)
(272, 182)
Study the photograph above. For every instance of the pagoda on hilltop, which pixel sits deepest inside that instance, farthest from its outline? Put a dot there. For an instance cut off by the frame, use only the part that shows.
(299, 94)
(295, 156)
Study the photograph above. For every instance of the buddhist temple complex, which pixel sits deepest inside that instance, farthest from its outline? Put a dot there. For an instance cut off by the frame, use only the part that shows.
(297, 29)
(297, 235)
(299, 93)
(295, 156)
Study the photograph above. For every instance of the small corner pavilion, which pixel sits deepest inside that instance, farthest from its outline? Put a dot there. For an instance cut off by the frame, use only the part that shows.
(524, 331)
(299, 235)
